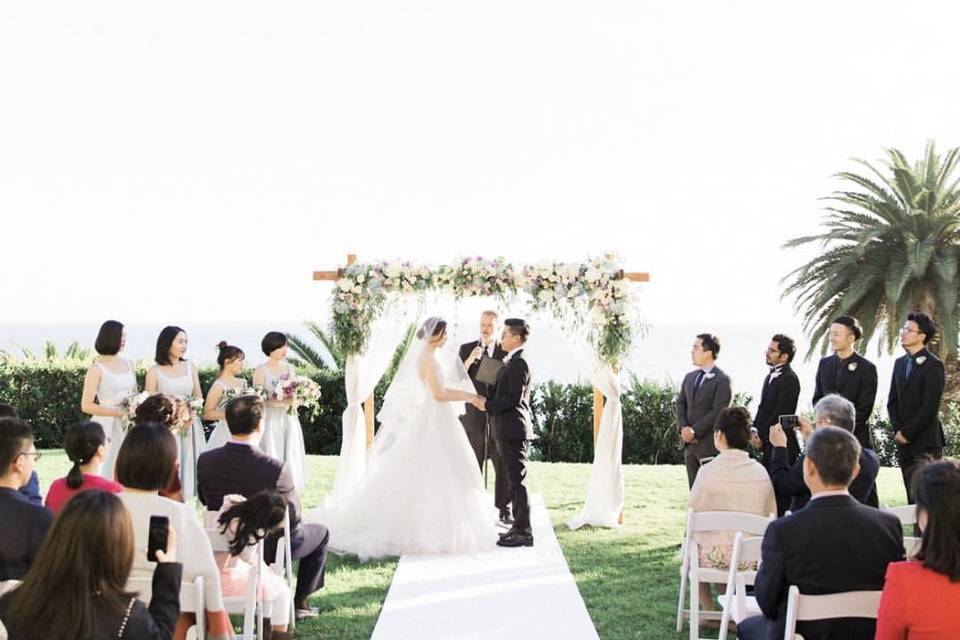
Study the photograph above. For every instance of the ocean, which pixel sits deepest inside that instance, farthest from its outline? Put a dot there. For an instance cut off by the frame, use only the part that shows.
(662, 354)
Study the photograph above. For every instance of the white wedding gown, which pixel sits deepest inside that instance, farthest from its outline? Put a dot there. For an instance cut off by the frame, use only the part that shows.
(421, 493)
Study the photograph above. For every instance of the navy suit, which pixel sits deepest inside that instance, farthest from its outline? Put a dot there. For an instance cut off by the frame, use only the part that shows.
(834, 544)
(24, 527)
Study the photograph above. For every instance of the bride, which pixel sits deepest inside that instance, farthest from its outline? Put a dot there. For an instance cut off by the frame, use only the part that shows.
(422, 492)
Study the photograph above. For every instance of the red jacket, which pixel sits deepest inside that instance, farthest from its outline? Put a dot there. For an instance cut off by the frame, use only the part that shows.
(918, 603)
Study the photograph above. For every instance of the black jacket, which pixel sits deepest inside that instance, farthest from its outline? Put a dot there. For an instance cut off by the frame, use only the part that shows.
(834, 544)
(25, 525)
(154, 623)
(914, 401)
(779, 397)
(509, 407)
(856, 380)
(474, 419)
(788, 481)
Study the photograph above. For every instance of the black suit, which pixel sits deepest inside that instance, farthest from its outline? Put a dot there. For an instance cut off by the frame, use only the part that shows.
(789, 486)
(475, 421)
(779, 397)
(246, 470)
(914, 408)
(25, 525)
(834, 544)
(856, 380)
(510, 424)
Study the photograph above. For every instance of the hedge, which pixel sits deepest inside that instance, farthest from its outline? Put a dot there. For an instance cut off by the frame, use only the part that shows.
(48, 395)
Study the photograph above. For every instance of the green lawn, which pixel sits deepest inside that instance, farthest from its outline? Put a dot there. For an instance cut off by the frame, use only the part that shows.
(628, 577)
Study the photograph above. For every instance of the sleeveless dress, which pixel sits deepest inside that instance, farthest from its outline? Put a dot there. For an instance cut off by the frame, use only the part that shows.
(422, 493)
(221, 433)
(282, 433)
(192, 445)
(111, 391)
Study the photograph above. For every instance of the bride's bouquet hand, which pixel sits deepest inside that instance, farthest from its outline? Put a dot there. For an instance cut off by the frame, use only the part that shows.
(479, 402)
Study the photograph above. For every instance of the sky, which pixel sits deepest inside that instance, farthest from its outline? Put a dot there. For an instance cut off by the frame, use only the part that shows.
(197, 161)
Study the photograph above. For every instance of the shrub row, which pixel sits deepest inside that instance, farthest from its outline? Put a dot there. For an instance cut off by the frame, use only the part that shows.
(48, 395)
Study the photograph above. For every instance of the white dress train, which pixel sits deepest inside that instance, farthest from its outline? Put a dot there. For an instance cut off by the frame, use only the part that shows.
(421, 493)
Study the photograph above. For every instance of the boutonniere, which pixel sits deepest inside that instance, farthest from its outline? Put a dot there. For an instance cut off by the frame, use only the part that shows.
(852, 366)
(921, 360)
(708, 376)
(775, 375)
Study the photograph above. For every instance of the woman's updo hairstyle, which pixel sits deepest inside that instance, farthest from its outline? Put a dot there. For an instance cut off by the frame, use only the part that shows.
(439, 328)
(227, 353)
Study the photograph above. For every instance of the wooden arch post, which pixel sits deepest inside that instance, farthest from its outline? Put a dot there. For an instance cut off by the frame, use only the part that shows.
(368, 404)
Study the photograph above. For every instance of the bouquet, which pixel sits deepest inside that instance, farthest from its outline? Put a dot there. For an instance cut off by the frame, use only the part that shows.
(128, 408)
(185, 413)
(299, 391)
(237, 392)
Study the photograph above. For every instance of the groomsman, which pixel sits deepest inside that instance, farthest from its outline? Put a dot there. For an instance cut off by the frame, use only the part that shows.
(914, 401)
(705, 391)
(475, 422)
(850, 375)
(779, 397)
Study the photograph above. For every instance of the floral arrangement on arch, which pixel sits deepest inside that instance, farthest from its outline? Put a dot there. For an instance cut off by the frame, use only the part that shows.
(595, 291)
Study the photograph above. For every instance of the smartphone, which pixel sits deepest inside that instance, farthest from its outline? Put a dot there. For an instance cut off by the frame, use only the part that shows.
(157, 541)
(789, 423)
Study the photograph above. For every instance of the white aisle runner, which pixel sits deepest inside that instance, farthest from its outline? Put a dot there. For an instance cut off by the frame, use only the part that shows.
(506, 593)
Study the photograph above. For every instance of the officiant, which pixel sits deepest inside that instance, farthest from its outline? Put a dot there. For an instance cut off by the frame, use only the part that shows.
(483, 358)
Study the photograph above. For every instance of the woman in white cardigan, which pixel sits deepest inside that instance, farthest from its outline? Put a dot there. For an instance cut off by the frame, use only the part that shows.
(732, 481)
(145, 465)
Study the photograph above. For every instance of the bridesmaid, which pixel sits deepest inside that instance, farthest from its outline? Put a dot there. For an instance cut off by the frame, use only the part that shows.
(231, 361)
(282, 435)
(109, 380)
(175, 375)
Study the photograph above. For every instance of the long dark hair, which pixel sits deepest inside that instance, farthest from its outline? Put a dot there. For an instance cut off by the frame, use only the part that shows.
(936, 487)
(81, 443)
(164, 342)
(256, 517)
(84, 559)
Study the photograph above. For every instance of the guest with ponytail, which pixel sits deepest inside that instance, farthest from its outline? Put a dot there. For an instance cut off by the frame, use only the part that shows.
(86, 446)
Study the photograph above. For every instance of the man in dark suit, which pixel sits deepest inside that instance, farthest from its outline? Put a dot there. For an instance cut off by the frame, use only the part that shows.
(849, 374)
(834, 544)
(32, 489)
(25, 524)
(241, 467)
(832, 411)
(509, 409)
(474, 421)
(779, 396)
(914, 401)
(705, 391)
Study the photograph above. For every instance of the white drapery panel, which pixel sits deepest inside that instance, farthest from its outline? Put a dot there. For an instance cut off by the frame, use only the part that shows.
(604, 502)
(362, 373)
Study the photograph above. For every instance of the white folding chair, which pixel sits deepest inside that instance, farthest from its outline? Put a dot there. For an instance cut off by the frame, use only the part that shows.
(191, 598)
(911, 545)
(907, 513)
(849, 604)
(703, 521)
(8, 585)
(737, 605)
(283, 564)
(250, 604)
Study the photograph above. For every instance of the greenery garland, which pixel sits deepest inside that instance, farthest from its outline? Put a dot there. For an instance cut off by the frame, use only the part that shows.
(594, 292)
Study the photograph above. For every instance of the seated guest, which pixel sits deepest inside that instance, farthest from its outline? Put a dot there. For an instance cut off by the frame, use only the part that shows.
(24, 523)
(144, 466)
(732, 481)
(173, 413)
(832, 410)
(86, 446)
(245, 523)
(77, 586)
(922, 596)
(834, 544)
(32, 489)
(241, 467)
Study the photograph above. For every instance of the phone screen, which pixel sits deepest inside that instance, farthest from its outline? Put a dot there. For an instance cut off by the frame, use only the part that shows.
(789, 423)
(157, 541)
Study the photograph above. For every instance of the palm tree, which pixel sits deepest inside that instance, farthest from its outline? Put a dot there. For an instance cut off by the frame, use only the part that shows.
(891, 245)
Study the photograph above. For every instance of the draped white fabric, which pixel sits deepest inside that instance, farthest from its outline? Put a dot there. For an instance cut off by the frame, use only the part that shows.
(604, 501)
(361, 376)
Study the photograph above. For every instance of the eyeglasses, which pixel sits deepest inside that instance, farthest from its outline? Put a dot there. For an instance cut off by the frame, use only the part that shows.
(908, 330)
(36, 454)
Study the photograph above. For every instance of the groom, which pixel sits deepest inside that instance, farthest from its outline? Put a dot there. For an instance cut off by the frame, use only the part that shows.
(509, 409)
